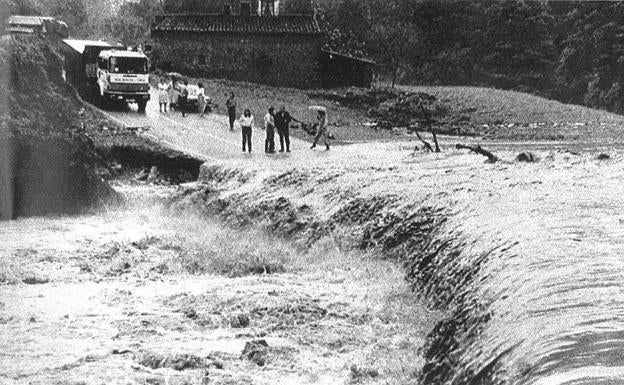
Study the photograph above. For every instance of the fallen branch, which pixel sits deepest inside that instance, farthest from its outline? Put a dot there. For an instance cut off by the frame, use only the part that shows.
(479, 150)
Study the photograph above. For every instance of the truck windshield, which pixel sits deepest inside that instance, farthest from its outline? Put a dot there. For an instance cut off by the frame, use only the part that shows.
(128, 65)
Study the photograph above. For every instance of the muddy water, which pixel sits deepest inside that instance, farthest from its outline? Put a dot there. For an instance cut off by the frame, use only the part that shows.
(524, 258)
(87, 322)
(549, 308)
(548, 320)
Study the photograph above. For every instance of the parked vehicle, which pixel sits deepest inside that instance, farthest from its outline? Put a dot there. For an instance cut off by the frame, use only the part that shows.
(123, 76)
(191, 101)
(102, 72)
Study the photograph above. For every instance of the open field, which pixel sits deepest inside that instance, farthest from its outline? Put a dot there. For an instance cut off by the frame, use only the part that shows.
(515, 115)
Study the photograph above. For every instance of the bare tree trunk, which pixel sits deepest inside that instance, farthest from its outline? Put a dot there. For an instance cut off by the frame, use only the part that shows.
(429, 124)
(424, 142)
(395, 74)
(435, 139)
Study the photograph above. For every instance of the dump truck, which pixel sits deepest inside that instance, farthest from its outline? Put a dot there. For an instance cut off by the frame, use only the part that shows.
(105, 73)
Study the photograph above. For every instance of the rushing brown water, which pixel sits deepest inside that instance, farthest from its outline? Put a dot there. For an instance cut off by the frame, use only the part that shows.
(547, 305)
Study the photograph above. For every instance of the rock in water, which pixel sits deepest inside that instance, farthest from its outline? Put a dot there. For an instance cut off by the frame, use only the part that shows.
(256, 351)
(526, 157)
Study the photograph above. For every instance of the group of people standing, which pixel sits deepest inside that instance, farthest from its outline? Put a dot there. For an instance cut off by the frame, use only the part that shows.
(170, 93)
(280, 122)
(178, 94)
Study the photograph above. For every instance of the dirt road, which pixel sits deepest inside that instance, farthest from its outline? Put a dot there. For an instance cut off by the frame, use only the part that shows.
(208, 137)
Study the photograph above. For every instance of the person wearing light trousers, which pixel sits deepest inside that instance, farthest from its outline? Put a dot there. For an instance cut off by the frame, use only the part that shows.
(321, 130)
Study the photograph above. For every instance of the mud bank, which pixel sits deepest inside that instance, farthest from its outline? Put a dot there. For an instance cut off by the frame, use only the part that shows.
(139, 157)
(48, 162)
(470, 237)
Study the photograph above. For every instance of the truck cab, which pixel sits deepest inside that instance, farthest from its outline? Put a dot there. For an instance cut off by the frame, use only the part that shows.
(123, 76)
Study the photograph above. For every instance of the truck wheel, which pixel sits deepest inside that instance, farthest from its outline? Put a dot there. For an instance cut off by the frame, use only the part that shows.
(103, 102)
(142, 104)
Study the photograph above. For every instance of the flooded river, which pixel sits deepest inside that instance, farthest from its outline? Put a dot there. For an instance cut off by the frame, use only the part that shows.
(547, 305)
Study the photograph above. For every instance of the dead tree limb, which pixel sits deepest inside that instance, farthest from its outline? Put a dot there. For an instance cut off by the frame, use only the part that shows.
(424, 142)
(429, 123)
(479, 150)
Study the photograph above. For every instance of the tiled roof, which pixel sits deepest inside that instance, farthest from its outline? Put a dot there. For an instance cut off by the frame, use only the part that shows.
(204, 23)
(28, 20)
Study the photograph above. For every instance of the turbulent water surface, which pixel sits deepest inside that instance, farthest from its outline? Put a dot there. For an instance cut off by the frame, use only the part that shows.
(547, 307)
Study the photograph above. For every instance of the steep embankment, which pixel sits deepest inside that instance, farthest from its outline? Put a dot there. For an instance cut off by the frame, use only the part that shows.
(48, 162)
(502, 249)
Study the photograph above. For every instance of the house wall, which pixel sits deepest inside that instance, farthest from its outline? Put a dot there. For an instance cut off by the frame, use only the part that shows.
(340, 71)
(284, 60)
(299, 7)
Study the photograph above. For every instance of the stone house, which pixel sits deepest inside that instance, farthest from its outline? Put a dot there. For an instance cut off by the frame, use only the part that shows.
(258, 41)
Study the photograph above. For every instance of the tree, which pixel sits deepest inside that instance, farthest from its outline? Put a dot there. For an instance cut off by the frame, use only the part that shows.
(131, 23)
(394, 36)
(24, 7)
(348, 24)
(72, 12)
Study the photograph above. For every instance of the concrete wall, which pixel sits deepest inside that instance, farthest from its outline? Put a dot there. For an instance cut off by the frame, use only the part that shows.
(284, 60)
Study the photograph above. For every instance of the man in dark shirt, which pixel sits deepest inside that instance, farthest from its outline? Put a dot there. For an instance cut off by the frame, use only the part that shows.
(231, 107)
(282, 123)
(183, 97)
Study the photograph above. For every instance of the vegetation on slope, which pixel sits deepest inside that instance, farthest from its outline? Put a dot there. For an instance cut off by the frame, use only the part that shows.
(51, 162)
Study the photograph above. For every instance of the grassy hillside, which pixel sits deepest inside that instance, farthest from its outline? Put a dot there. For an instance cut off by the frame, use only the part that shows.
(496, 113)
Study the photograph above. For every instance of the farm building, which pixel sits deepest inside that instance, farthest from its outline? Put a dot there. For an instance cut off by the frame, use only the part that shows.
(36, 25)
(258, 41)
(341, 69)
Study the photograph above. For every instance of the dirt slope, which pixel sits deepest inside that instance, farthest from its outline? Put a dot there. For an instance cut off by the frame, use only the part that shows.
(51, 163)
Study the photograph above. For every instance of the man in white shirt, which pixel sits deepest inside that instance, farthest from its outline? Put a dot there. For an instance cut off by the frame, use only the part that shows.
(247, 122)
(269, 125)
